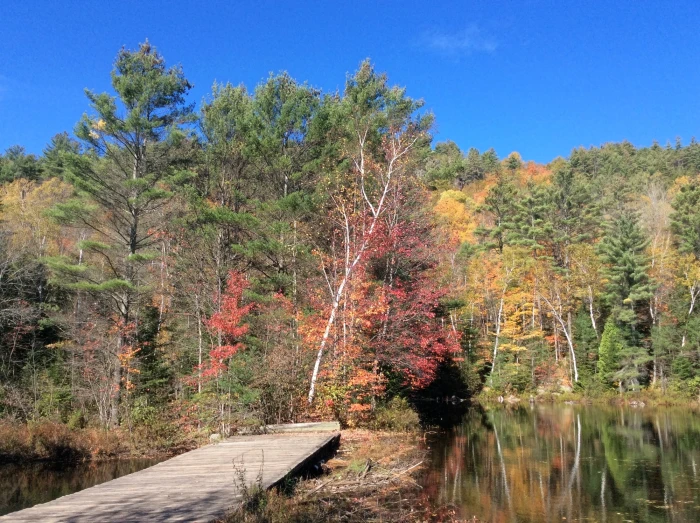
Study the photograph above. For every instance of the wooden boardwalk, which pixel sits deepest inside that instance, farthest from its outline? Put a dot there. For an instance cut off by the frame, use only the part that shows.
(201, 485)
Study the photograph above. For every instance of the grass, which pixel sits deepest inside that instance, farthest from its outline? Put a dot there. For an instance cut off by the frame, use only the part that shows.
(372, 478)
(54, 441)
(49, 440)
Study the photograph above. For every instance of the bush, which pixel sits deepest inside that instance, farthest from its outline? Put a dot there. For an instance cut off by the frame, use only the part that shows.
(397, 416)
(55, 441)
(77, 420)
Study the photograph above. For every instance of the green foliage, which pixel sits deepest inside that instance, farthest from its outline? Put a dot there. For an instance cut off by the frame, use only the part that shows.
(685, 220)
(586, 343)
(17, 164)
(611, 344)
(623, 251)
(514, 372)
(106, 301)
(500, 203)
(632, 360)
(683, 368)
(397, 416)
(618, 360)
(529, 226)
(445, 164)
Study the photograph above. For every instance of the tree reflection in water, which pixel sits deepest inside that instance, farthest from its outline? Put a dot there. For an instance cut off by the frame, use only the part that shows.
(25, 485)
(569, 463)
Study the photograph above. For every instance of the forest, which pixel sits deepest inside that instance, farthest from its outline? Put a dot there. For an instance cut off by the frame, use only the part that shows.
(283, 253)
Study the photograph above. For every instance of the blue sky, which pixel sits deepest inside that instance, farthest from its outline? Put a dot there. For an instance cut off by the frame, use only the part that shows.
(538, 76)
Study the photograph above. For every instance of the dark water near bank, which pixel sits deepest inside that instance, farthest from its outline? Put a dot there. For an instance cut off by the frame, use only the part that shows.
(25, 485)
(569, 463)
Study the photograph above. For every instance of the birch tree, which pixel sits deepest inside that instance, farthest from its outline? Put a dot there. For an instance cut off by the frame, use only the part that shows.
(379, 131)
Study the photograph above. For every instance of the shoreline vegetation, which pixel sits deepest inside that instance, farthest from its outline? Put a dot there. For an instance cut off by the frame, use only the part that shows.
(643, 398)
(373, 477)
(283, 254)
(52, 441)
(47, 440)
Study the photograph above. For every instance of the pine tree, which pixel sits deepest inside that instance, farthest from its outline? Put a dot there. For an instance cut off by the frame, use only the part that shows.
(16, 163)
(446, 166)
(490, 161)
(586, 342)
(530, 225)
(500, 204)
(685, 220)
(611, 344)
(574, 214)
(136, 155)
(474, 166)
(56, 152)
(628, 289)
(623, 251)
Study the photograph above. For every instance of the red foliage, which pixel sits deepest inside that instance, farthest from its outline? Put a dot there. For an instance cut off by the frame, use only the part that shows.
(389, 320)
(229, 322)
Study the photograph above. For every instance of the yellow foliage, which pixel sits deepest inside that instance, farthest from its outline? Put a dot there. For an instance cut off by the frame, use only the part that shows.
(23, 206)
(679, 182)
(455, 208)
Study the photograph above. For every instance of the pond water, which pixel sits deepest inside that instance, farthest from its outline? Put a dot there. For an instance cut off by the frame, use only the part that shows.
(569, 463)
(25, 485)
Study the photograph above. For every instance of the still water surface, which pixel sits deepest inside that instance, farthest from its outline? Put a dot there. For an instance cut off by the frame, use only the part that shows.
(569, 463)
(25, 485)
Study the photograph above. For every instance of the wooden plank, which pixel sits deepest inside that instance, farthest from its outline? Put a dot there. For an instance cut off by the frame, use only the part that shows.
(201, 485)
(323, 426)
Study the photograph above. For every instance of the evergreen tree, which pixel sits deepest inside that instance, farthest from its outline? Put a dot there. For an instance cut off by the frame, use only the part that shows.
(445, 165)
(490, 161)
(623, 251)
(474, 168)
(136, 155)
(54, 160)
(685, 220)
(632, 361)
(574, 216)
(513, 162)
(530, 225)
(500, 204)
(611, 344)
(586, 343)
(16, 163)
(627, 293)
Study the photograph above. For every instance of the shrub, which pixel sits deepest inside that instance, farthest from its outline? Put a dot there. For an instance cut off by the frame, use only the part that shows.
(396, 416)
(56, 441)
(48, 440)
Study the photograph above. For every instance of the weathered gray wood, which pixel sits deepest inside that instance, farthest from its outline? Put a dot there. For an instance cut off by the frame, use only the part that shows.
(196, 486)
(323, 426)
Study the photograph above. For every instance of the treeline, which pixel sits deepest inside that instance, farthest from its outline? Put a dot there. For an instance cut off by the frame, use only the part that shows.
(268, 258)
(285, 253)
(584, 273)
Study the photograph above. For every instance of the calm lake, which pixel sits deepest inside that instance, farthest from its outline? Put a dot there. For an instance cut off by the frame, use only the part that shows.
(569, 463)
(25, 485)
(528, 464)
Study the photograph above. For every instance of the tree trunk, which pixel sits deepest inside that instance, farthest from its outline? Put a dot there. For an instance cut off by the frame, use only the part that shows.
(567, 334)
(498, 334)
(116, 395)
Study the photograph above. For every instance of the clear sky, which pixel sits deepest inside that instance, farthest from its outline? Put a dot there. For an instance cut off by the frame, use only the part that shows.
(538, 76)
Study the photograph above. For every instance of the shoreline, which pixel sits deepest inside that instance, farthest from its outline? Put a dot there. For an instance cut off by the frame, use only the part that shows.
(373, 476)
(638, 399)
(50, 441)
(54, 442)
